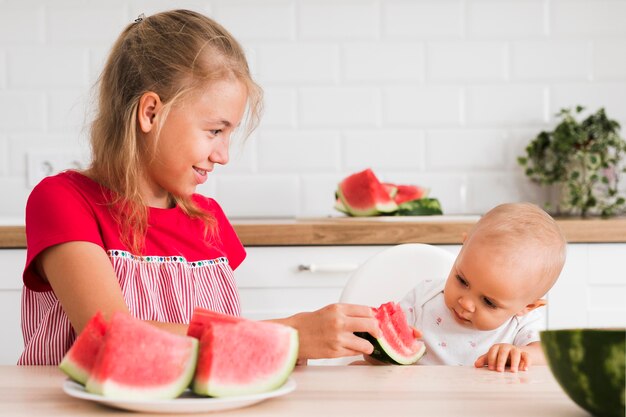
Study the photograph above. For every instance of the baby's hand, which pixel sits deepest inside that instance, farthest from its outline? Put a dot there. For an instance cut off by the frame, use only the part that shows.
(502, 354)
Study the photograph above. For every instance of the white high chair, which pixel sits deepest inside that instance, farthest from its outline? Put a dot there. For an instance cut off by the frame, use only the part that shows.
(390, 274)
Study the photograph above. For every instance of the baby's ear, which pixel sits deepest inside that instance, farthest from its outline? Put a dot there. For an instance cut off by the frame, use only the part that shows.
(540, 302)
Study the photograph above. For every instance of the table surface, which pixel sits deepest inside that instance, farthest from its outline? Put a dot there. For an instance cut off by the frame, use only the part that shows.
(335, 391)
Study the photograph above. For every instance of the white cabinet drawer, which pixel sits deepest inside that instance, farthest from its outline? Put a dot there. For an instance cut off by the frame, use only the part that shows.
(273, 283)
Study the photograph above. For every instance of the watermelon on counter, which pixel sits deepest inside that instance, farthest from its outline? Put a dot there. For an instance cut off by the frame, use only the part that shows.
(362, 194)
(397, 344)
(239, 356)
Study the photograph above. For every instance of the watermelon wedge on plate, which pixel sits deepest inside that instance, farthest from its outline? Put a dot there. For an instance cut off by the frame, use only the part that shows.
(79, 360)
(142, 362)
(239, 356)
(398, 344)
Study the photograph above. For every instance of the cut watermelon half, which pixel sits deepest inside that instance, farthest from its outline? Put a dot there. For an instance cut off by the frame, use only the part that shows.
(140, 361)
(79, 360)
(362, 194)
(239, 356)
(398, 344)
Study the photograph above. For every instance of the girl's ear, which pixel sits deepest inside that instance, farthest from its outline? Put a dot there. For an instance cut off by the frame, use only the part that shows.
(149, 106)
(530, 307)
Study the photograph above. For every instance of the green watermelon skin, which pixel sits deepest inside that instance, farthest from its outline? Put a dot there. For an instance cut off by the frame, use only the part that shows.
(589, 366)
(381, 355)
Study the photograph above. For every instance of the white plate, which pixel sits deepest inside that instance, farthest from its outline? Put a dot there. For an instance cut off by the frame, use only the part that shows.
(186, 403)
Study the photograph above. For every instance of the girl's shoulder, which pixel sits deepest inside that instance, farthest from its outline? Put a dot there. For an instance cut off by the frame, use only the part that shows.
(67, 185)
(208, 204)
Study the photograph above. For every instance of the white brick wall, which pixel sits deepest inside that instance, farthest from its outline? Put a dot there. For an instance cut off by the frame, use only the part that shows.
(445, 94)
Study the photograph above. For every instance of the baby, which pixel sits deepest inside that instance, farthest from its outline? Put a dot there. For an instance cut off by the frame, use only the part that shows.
(487, 312)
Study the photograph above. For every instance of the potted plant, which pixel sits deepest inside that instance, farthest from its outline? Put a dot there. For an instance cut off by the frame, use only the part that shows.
(582, 161)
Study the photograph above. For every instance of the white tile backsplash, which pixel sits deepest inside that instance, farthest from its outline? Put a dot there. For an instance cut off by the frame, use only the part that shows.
(506, 19)
(384, 150)
(609, 59)
(22, 23)
(423, 20)
(467, 61)
(507, 105)
(22, 111)
(345, 19)
(444, 94)
(458, 150)
(582, 18)
(422, 105)
(551, 60)
(254, 20)
(297, 63)
(339, 106)
(298, 151)
(86, 26)
(48, 67)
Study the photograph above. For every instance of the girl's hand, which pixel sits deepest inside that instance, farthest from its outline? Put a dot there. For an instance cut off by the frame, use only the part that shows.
(503, 354)
(329, 331)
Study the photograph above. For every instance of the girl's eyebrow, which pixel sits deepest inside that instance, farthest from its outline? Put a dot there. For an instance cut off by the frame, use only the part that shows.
(221, 122)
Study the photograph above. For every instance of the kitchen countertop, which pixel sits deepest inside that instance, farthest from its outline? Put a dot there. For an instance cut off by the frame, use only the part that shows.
(373, 231)
(336, 391)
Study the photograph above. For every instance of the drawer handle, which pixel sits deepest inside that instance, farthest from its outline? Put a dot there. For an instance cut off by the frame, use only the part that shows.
(347, 267)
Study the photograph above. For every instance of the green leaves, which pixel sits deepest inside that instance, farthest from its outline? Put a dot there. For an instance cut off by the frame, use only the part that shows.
(582, 158)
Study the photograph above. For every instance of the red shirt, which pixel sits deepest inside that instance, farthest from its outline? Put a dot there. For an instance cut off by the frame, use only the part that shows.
(179, 269)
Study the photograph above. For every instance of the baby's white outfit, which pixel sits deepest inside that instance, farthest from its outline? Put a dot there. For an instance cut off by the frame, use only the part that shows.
(450, 343)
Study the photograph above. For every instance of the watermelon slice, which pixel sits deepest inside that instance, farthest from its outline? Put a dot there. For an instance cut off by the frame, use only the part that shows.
(398, 344)
(140, 361)
(79, 360)
(362, 194)
(241, 357)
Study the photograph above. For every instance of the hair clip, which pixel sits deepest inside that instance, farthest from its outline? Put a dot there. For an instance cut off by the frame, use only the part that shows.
(140, 18)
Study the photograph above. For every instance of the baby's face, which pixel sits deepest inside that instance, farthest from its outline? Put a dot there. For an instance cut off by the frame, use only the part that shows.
(484, 289)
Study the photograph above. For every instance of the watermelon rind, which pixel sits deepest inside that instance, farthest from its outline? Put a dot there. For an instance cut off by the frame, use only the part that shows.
(74, 371)
(173, 389)
(274, 381)
(589, 365)
(383, 352)
(420, 207)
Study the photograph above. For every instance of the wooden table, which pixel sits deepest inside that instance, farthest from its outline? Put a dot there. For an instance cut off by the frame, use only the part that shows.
(336, 391)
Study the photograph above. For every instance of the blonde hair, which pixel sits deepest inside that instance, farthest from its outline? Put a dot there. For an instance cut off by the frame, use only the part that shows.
(174, 54)
(520, 227)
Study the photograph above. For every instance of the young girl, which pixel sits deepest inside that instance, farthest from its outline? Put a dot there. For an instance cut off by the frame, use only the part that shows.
(129, 233)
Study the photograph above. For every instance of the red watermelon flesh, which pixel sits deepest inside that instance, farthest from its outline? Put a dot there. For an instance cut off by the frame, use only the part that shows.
(140, 361)
(244, 357)
(202, 317)
(398, 344)
(409, 193)
(362, 194)
(78, 361)
(392, 189)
